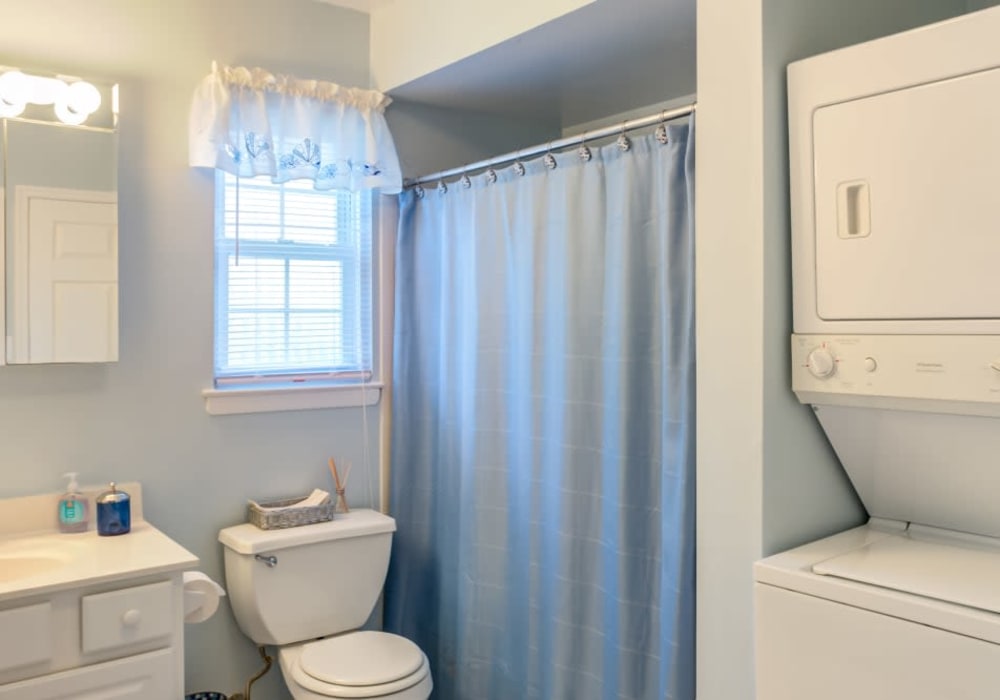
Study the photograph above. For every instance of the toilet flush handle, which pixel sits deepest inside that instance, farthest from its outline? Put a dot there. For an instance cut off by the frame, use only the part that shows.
(271, 561)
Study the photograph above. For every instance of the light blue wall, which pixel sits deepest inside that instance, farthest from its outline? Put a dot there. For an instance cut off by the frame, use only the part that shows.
(144, 418)
(54, 155)
(436, 139)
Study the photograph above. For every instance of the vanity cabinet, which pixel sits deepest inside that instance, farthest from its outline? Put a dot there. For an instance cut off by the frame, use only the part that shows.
(121, 639)
(85, 617)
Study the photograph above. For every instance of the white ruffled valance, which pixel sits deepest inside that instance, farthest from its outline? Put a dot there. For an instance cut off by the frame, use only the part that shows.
(250, 122)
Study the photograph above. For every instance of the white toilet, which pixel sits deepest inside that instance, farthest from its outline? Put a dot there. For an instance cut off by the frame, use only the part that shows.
(307, 590)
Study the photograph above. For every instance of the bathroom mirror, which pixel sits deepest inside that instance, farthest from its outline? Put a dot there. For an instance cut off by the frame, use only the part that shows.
(58, 218)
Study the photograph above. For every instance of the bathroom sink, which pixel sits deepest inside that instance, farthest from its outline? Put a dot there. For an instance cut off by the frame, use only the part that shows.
(22, 566)
(25, 557)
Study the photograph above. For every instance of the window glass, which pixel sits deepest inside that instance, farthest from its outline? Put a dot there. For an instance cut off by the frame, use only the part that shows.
(293, 282)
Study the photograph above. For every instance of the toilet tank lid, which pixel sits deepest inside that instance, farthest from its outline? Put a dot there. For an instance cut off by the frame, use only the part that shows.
(250, 539)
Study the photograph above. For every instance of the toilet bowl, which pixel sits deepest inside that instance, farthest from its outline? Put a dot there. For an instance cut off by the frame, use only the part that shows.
(356, 665)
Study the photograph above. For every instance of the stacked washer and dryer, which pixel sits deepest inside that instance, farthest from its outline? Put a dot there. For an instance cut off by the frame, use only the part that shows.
(895, 184)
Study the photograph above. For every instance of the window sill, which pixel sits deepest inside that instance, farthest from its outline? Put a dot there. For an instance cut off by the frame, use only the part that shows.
(226, 402)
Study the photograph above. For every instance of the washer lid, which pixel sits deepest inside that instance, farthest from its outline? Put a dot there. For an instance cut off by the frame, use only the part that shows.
(927, 562)
(361, 658)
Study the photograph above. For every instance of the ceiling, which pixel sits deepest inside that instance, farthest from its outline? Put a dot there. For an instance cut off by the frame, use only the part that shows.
(608, 57)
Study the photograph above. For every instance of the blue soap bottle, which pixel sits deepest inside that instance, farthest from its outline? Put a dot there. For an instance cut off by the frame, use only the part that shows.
(73, 507)
(114, 512)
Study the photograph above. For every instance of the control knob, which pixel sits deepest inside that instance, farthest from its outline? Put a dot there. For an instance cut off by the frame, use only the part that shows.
(821, 363)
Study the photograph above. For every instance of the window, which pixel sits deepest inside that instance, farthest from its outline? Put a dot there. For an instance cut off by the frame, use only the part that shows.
(293, 284)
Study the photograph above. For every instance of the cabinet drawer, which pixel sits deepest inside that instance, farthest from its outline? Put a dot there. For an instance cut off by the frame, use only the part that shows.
(25, 636)
(144, 677)
(127, 616)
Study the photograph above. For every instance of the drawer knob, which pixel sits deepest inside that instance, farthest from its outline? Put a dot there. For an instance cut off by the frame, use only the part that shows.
(131, 618)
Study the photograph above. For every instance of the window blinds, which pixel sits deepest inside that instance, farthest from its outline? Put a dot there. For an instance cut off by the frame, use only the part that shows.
(293, 282)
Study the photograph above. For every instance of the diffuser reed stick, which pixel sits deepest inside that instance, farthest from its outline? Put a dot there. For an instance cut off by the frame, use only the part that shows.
(340, 486)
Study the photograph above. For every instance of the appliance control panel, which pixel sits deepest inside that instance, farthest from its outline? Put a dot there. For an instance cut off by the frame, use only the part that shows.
(935, 367)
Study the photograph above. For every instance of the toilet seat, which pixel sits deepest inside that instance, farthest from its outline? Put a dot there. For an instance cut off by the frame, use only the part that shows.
(363, 664)
(361, 659)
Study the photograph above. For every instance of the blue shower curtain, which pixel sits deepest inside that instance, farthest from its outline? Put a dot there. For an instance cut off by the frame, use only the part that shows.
(543, 428)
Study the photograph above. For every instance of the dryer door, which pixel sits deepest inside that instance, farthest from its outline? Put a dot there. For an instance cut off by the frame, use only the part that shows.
(907, 206)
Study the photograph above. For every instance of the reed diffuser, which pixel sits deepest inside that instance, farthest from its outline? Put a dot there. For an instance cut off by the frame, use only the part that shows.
(340, 486)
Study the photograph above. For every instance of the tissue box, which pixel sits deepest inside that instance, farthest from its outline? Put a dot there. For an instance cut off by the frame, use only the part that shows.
(274, 515)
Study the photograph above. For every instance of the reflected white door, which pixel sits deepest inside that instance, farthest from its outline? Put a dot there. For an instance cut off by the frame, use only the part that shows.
(70, 278)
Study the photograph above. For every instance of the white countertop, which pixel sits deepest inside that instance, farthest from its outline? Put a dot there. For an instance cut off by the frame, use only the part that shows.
(67, 561)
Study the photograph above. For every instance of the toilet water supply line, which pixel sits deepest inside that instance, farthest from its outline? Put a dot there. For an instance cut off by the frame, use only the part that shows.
(268, 662)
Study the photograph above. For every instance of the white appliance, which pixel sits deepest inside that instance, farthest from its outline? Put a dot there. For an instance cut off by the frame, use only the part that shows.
(895, 173)
(895, 167)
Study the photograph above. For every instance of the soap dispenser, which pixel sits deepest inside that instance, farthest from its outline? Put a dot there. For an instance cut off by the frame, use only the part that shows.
(73, 507)
(114, 512)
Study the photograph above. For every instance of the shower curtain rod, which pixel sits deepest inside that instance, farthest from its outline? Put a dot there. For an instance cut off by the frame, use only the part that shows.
(628, 125)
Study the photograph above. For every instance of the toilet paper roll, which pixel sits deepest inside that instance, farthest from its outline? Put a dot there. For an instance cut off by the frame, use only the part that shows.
(201, 596)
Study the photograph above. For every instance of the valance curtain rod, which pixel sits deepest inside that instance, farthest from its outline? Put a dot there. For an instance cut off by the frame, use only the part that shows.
(628, 125)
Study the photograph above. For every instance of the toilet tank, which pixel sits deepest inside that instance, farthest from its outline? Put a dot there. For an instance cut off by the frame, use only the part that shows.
(325, 579)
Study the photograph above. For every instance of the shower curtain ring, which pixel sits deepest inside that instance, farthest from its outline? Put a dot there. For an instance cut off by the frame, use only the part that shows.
(584, 151)
(661, 130)
(623, 141)
(442, 188)
(549, 159)
(420, 191)
(466, 182)
(491, 176)
(518, 165)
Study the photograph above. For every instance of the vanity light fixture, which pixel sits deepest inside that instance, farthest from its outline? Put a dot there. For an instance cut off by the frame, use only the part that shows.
(73, 101)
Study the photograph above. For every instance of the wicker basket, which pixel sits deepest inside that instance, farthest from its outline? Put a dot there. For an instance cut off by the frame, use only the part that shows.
(280, 515)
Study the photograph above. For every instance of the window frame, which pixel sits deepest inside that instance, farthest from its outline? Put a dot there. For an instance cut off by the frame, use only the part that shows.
(281, 391)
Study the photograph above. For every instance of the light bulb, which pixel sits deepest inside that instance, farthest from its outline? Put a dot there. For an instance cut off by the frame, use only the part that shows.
(83, 97)
(72, 103)
(77, 102)
(67, 115)
(13, 93)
